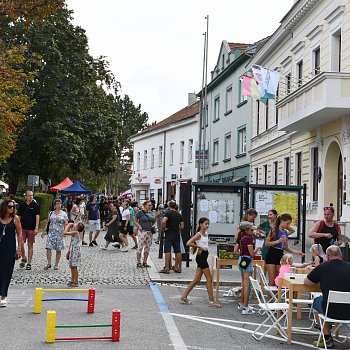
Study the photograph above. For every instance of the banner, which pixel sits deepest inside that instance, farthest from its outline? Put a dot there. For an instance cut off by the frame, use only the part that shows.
(267, 81)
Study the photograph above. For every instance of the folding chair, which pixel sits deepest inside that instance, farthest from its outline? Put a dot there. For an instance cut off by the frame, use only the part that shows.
(271, 290)
(334, 297)
(269, 309)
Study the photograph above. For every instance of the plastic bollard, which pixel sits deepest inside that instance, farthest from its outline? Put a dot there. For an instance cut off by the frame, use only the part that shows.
(91, 301)
(38, 302)
(115, 325)
(51, 326)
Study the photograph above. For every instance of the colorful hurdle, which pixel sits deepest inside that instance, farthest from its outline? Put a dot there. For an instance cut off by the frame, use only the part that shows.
(51, 328)
(39, 298)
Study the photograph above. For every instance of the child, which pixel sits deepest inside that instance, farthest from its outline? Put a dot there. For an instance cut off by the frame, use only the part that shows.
(73, 254)
(286, 264)
(246, 246)
(199, 243)
(318, 255)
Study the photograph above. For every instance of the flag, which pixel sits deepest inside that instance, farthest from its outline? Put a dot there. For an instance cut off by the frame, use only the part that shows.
(267, 80)
(250, 87)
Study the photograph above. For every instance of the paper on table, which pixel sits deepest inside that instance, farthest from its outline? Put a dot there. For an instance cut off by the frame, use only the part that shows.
(213, 217)
(203, 205)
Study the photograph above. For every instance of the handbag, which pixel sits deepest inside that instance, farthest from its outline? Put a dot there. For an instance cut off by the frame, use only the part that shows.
(153, 229)
(244, 263)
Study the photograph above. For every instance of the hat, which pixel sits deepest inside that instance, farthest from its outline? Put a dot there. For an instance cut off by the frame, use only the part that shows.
(160, 206)
(246, 225)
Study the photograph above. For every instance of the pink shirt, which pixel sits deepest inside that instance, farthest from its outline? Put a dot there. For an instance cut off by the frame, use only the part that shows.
(283, 269)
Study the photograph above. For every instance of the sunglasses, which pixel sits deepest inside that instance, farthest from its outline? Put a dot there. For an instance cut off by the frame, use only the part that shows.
(329, 208)
(10, 206)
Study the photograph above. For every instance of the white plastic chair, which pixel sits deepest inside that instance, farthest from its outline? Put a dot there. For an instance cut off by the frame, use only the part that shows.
(334, 297)
(271, 290)
(269, 309)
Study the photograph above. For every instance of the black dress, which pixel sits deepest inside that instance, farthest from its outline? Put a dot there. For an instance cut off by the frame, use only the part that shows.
(112, 234)
(7, 255)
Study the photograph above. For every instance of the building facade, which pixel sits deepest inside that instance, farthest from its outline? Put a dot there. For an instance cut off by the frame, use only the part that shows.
(304, 136)
(164, 155)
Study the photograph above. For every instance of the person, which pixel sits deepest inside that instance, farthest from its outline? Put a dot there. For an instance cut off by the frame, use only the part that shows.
(29, 214)
(331, 275)
(318, 255)
(131, 224)
(69, 206)
(286, 264)
(159, 217)
(172, 223)
(58, 220)
(73, 254)
(125, 227)
(93, 217)
(277, 241)
(10, 225)
(199, 243)
(246, 247)
(250, 216)
(112, 224)
(78, 214)
(326, 232)
(144, 221)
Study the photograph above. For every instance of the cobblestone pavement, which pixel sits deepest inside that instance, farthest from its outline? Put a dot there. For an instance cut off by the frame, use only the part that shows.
(98, 267)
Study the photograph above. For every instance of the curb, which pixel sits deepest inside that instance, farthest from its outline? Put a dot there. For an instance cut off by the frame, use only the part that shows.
(187, 281)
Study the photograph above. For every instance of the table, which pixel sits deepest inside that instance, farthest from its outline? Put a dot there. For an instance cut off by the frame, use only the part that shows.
(303, 270)
(215, 261)
(295, 286)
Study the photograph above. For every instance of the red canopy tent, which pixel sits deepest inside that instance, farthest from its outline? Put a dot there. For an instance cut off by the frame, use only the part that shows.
(62, 185)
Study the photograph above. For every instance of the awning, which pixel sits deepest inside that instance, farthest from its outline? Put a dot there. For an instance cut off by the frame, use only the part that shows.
(62, 185)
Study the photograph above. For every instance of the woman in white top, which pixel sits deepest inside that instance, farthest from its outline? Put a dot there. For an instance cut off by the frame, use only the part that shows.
(78, 215)
(199, 243)
(124, 227)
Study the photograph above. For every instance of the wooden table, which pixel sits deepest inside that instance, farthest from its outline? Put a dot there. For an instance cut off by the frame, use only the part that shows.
(216, 262)
(295, 286)
(303, 270)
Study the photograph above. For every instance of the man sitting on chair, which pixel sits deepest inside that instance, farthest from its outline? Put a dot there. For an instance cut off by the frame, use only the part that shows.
(332, 275)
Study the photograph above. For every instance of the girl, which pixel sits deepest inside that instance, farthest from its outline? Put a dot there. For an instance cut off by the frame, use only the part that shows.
(246, 246)
(73, 254)
(250, 216)
(277, 240)
(286, 264)
(199, 243)
(318, 255)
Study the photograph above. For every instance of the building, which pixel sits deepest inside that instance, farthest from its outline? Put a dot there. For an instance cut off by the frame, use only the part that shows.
(164, 155)
(305, 136)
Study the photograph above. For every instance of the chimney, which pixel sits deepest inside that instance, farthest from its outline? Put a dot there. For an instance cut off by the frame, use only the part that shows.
(192, 98)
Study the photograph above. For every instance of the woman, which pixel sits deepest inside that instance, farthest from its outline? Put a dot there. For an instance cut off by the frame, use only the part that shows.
(112, 224)
(144, 220)
(78, 213)
(58, 220)
(277, 241)
(125, 227)
(250, 216)
(10, 225)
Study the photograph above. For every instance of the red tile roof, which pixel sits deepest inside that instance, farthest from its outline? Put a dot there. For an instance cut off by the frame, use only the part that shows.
(238, 46)
(184, 113)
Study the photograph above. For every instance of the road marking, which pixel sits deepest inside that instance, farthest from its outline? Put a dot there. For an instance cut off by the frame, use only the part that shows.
(195, 318)
(170, 325)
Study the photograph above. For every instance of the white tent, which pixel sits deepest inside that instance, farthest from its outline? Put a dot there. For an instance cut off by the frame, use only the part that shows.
(3, 186)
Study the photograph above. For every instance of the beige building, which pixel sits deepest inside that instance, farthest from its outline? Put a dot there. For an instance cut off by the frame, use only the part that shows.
(304, 136)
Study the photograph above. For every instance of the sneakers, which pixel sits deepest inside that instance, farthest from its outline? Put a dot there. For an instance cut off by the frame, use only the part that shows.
(91, 245)
(28, 267)
(104, 248)
(94, 243)
(248, 311)
(320, 344)
(124, 249)
(83, 243)
(241, 307)
(3, 303)
(117, 245)
(135, 246)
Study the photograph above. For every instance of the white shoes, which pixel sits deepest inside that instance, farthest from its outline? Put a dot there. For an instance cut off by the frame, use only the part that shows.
(248, 311)
(124, 249)
(3, 303)
(104, 248)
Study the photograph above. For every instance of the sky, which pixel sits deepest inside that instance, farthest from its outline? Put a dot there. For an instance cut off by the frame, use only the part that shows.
(155, 47)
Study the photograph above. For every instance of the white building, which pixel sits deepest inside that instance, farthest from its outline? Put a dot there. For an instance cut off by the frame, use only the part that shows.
(164, 155)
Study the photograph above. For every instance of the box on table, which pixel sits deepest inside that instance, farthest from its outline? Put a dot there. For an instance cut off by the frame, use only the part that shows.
(224, 247)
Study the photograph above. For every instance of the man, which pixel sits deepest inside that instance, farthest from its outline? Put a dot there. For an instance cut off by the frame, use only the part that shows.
(172, 223)
(326, 232)
(332, 275)
(93, 216)
(29, 213)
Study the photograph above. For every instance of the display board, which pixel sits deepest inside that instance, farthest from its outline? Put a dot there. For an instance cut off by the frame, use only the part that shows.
(222, 205)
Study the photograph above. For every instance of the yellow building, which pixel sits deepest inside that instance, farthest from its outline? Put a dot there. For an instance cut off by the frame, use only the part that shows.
(304, 136)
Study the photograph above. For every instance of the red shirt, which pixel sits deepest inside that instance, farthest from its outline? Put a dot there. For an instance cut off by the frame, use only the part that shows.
(244, 242)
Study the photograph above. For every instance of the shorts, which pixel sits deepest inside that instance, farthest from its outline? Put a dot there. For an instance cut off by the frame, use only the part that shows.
(130, 230)
(94, 225)
(249, 267)
(28, 235)
(274, 256)
(172, 240)
(202, 259)
(317, 305)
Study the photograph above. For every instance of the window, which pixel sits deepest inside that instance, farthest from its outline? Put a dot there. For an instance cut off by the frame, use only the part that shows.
(182, 151)
(222, 62)
(288, 82)
(257, 116)
(138, 161)
(265, 174)
(152, 158)
(267, 115)
(145, 159)
(160, 160)
(242, 141)
(216, 109)
(317, 61)
(206, 117)
(241, 98)
(315, 174)
(287, 171)
(275, 173)
(227, 148)
(300, 73)
(298, 165)
(190, 150)
(171, 154)
(256, 175)
(336, 51)
(229, 99)
(215, 151)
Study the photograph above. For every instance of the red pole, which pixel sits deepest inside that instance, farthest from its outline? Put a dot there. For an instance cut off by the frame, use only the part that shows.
(91, 301)
(115, 325)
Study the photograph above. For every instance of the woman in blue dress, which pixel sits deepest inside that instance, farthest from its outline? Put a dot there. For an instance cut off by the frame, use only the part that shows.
(10, 225)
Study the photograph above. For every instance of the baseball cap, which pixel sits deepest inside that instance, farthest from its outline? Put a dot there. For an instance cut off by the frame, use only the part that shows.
(245, 225)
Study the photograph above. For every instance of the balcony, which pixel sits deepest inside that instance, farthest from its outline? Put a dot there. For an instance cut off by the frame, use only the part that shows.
(324, 98)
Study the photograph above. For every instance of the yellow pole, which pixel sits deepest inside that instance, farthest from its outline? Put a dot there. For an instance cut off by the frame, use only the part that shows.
(38, 302)
(51, 326)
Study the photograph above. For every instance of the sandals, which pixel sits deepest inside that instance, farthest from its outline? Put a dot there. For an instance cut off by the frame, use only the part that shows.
(177, 270)
(23, 263)
(28, 267)
(146, 265)
(56, 267)
(48, 266)
(214, 304)
(185, 301)
(139, 265)
(164, 271)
